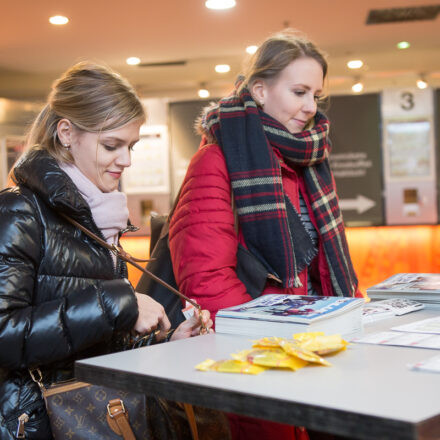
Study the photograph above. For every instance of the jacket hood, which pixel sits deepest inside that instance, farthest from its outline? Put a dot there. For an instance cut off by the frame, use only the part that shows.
(39, 171)
(201, 129)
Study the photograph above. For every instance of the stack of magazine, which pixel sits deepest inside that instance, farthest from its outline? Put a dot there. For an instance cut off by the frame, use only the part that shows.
(421, 287)
(284, 315)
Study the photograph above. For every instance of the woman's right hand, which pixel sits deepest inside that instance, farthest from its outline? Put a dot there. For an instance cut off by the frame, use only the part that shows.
(152, 316)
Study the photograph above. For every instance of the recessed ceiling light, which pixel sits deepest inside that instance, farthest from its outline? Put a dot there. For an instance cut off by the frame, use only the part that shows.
(422, 84)
(251, 49)
(403, 45)
(220, 4)
(358, 87)
(222, 68)
(58, 20)
(133, 61)
(203, 93)
(355, 64)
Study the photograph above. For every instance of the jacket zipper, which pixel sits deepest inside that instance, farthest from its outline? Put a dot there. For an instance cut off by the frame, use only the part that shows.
(22, 420)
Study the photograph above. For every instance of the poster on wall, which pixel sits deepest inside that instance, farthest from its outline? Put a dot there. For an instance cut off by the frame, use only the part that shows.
(409, 149)
(146, 182)
(149, 170)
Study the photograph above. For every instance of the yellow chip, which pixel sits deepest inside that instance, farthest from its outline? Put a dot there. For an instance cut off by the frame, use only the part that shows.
(268, 342)
(307, 335)
(324, 344)
(295, 350)
(275, 358)
(205, 365)
(229, 366)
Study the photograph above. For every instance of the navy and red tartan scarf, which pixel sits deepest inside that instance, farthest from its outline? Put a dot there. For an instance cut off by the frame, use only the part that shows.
(247, 137)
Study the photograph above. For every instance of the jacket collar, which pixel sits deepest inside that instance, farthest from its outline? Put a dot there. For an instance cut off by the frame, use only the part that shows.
(40, 172)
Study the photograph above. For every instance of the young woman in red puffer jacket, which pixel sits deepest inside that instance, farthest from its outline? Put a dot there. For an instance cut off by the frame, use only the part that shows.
(265, 151)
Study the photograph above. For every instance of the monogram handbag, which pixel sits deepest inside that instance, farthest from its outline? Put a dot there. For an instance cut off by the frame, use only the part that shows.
(81, 411)
(91, 412)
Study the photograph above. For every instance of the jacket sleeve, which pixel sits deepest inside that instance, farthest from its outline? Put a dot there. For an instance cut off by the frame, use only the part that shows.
(203, 241)
(37, 333)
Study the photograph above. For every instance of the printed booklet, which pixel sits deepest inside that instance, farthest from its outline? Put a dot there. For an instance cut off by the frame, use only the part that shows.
(284, 315)
(386, 308)
(422, 287)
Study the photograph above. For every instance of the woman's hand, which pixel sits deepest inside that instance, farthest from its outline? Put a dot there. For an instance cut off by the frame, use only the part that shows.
(192, 326)
(152, 316)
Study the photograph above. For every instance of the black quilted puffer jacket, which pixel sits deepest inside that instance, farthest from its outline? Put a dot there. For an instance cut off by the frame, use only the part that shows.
(61, 298)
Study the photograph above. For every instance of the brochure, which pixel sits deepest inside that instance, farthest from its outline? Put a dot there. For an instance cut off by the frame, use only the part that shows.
(376, 310)
(430, 325)
(417, 340)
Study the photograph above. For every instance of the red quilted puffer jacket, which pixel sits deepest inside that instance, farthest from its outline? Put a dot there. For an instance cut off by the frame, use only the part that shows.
(203, 245)
(203, 240)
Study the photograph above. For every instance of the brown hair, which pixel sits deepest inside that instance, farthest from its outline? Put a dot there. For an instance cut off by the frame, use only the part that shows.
(93, 98)
(277, 52)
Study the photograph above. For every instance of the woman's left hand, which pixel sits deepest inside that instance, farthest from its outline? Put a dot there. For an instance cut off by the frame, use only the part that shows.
(192, 326)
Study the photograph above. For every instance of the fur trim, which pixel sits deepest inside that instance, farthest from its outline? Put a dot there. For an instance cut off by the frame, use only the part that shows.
(199, 124)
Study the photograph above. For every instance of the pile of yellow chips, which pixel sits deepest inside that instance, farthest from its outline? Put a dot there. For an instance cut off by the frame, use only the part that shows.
(275, 352)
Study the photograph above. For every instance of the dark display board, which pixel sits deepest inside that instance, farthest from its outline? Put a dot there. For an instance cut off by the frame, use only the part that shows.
(184, 141)
(356, 158)
(437, 141)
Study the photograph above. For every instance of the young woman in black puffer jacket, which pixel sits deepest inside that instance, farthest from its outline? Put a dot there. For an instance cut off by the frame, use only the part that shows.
(63, 296)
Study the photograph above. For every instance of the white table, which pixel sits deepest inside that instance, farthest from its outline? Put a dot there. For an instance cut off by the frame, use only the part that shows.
(368, 393)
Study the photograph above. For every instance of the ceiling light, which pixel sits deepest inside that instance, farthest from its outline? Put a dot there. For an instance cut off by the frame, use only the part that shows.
(203, 93)
(403, 45)
(251, 49)
(421, 83)
(58, 20)
(355, 64)
(357, 87)
(220, 4)
(133, 61)
(222, 68)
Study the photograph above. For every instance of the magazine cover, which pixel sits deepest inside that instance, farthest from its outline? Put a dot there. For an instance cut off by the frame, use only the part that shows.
(294, 308)
(409, 282)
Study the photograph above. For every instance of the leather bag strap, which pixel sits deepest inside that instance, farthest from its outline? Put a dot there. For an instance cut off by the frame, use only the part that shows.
(117, 419)
(189, 411)
(119, 252)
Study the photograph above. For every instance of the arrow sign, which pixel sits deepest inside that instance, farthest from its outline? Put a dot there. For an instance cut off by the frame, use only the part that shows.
(360, 203)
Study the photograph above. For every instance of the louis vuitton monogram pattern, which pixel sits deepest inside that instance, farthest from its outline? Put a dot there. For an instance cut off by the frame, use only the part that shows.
(79, 412)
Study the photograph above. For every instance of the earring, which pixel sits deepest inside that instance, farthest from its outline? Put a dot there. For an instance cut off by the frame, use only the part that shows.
(66, 146)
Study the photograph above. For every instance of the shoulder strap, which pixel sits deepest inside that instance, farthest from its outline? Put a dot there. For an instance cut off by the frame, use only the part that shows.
(117, 419)
(119, 252)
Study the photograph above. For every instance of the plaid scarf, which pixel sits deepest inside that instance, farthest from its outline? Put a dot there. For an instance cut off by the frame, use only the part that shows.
(271, 231)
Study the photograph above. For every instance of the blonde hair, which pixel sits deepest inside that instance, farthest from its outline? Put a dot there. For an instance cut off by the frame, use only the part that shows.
(277, 52)
(93, 98)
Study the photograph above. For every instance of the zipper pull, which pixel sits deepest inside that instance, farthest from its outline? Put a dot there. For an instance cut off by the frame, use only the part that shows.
(24, 418)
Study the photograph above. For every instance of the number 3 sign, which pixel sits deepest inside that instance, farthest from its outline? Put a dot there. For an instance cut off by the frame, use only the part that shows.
(407, 103)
